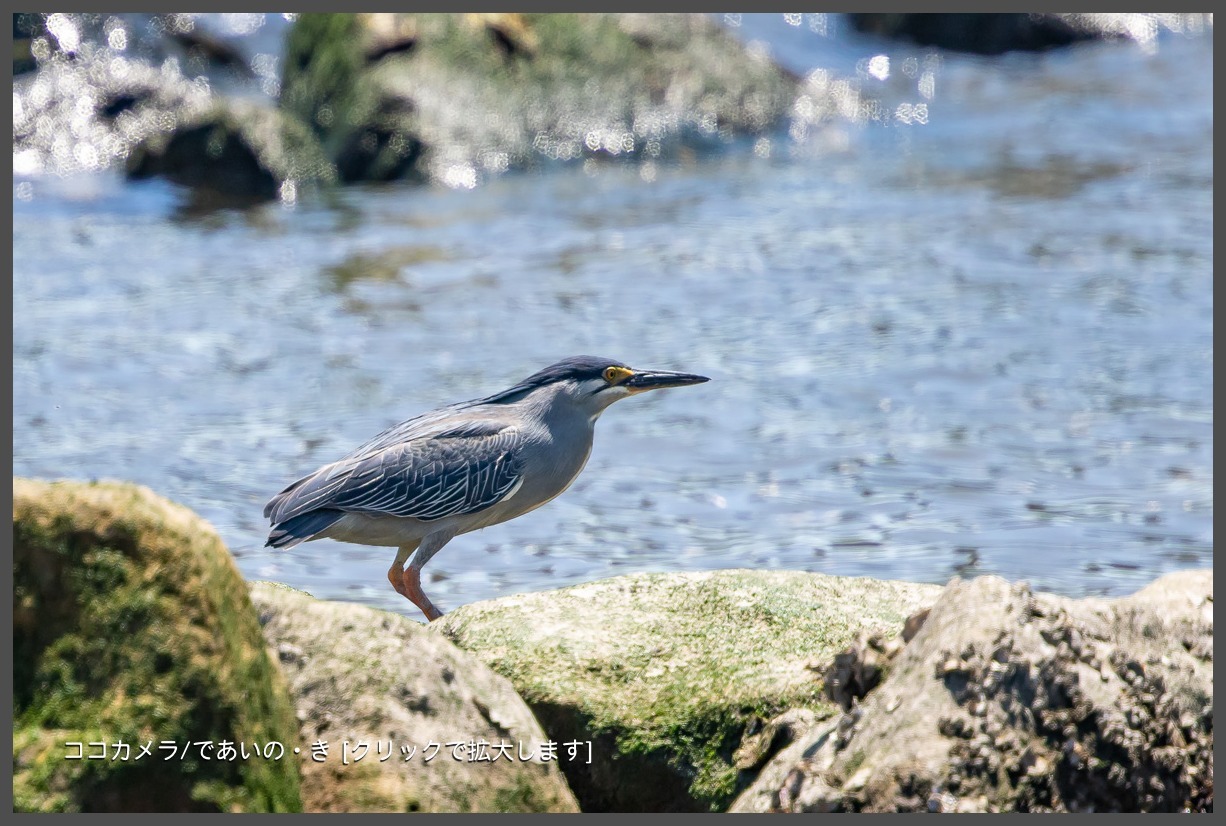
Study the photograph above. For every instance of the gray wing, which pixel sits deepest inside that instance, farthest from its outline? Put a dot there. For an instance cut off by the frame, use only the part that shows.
(464, 469)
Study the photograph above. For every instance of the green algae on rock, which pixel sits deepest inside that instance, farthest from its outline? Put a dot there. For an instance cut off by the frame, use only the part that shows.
(359, 675)
(455, 97)
(132, 625)
(670, 675)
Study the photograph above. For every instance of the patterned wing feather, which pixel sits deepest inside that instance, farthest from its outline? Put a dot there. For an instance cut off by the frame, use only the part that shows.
(464, 469)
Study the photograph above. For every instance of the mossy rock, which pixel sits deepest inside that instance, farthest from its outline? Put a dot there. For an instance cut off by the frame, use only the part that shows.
(670, 675)
(460, 96)
(132, 625)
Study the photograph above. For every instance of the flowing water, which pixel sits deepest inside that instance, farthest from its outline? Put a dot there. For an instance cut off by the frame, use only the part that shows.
(974, 336)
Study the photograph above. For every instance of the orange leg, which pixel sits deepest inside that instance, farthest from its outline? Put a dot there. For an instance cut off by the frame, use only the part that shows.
(395, 575)
(412, 590)
(407, 580)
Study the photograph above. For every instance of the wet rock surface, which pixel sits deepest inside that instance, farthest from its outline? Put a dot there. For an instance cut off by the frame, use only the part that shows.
(159, 96)
(1008, 700)
(978, 33)
(370, 683)
(996, 34)
(84, 114)
(234, 150)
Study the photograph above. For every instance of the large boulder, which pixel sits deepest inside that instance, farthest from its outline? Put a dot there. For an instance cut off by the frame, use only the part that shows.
(370, 684)
(234, 152)
(978, 33)
(995, 34)
(133, 630)
(685, 683)
(455, 97)
(88, 113)
(122, 96)
(1010, 700)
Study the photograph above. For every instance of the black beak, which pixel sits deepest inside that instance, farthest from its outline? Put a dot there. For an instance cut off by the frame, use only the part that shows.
(657, 379)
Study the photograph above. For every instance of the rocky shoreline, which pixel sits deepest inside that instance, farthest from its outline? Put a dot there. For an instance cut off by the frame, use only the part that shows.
(722, 691)
(450, 98)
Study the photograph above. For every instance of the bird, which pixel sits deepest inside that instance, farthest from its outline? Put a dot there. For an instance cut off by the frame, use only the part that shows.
(421, 483)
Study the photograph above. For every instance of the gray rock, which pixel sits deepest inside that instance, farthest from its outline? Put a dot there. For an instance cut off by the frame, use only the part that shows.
(1008, 700)
(362, 676)
(234, 150)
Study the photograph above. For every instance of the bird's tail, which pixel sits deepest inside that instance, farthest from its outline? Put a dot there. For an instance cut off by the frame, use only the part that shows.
(300, 528)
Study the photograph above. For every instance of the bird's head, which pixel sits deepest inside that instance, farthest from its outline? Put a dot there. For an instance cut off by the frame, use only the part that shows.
(592, 383)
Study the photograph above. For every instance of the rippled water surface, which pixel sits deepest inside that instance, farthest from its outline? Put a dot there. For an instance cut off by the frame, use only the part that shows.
(976, 344)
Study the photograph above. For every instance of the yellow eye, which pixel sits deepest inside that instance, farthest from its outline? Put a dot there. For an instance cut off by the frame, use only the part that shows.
(615, 375)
